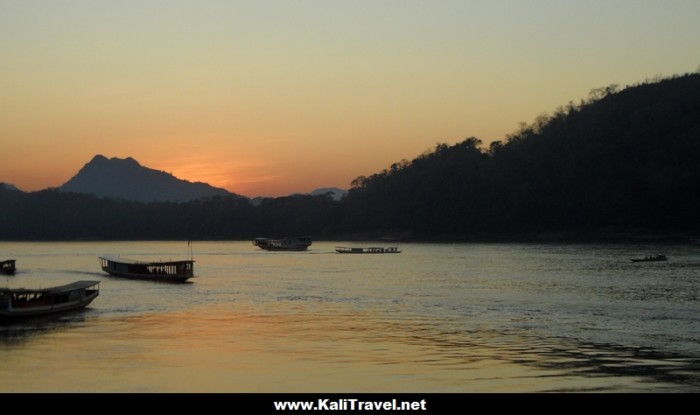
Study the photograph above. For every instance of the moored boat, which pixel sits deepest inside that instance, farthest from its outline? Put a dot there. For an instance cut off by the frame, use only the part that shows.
(289, 244)
(23, 303)
(369, 250)
(650, 258)
(169, 271)
(8, 266)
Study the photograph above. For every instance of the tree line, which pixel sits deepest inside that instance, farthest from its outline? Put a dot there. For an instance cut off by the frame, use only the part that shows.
(620, 162)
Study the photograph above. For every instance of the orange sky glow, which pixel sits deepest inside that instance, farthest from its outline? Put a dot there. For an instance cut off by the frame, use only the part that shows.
(272, 98)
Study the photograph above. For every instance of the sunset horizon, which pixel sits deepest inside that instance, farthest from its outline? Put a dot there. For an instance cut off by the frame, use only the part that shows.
(169, 172)
(268, 99)
(215, 173)
(335, 205)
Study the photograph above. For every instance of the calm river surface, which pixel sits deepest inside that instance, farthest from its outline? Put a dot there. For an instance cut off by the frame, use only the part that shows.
(435, 318)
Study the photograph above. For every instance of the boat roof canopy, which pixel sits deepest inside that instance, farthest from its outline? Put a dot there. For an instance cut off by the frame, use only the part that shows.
(115, 258)
(78, 285)
(283, 239)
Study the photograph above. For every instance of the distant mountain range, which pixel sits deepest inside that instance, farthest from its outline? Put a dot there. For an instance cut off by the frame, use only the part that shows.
(127, 179)
(8, 186)
(336, 194)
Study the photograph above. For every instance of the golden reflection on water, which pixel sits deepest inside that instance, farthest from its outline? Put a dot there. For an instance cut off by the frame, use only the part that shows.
(220, 350)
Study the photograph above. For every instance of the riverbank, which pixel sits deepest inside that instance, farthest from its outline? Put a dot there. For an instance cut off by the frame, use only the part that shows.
(407, 237)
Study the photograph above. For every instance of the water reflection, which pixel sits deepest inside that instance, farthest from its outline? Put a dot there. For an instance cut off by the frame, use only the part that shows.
(16, 332)
(579, 366)
(339, 350)
(439, 318)
(671, 372)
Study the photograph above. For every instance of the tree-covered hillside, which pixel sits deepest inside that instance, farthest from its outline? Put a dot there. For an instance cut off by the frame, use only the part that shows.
(622, 162)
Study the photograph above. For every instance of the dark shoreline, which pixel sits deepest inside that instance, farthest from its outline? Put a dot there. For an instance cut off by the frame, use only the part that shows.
(387, 238)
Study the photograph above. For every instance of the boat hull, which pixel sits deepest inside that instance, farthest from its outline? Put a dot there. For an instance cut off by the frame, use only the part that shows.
(367, 253)
(291, 244)
(648, 260)
(368, 250)
(296, 248)
(148, 277)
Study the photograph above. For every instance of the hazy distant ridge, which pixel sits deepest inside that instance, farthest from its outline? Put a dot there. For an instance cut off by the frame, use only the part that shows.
(8, 186)
(336, 193)
(127, 179)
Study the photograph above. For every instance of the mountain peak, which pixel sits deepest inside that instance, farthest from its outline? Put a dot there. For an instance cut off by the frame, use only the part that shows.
(127, 179)
(99, 158)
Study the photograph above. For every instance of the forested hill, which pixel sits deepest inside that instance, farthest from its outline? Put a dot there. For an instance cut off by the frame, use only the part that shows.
(621, 163)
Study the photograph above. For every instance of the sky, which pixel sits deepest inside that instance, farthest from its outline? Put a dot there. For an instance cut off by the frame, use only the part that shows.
(276, 97)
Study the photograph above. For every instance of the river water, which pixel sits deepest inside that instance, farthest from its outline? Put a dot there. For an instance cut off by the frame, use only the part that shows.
(434, 318)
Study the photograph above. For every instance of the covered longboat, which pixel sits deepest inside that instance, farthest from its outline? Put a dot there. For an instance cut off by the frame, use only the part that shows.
(24, 303)
(168, 271)
(289, 244)
(651, 258)
(370, 250)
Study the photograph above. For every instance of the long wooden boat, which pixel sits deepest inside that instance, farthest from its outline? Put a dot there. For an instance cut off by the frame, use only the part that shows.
(650, 258)
(22, 303)
(289, 244)
(169, 271)
(8, 266)
(369, 250)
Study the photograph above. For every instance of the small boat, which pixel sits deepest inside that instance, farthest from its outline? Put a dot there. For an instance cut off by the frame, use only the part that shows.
(8, 266)
(169, 271)
(370, 250)
(650, 258)
(22, 303)
(290, 244)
